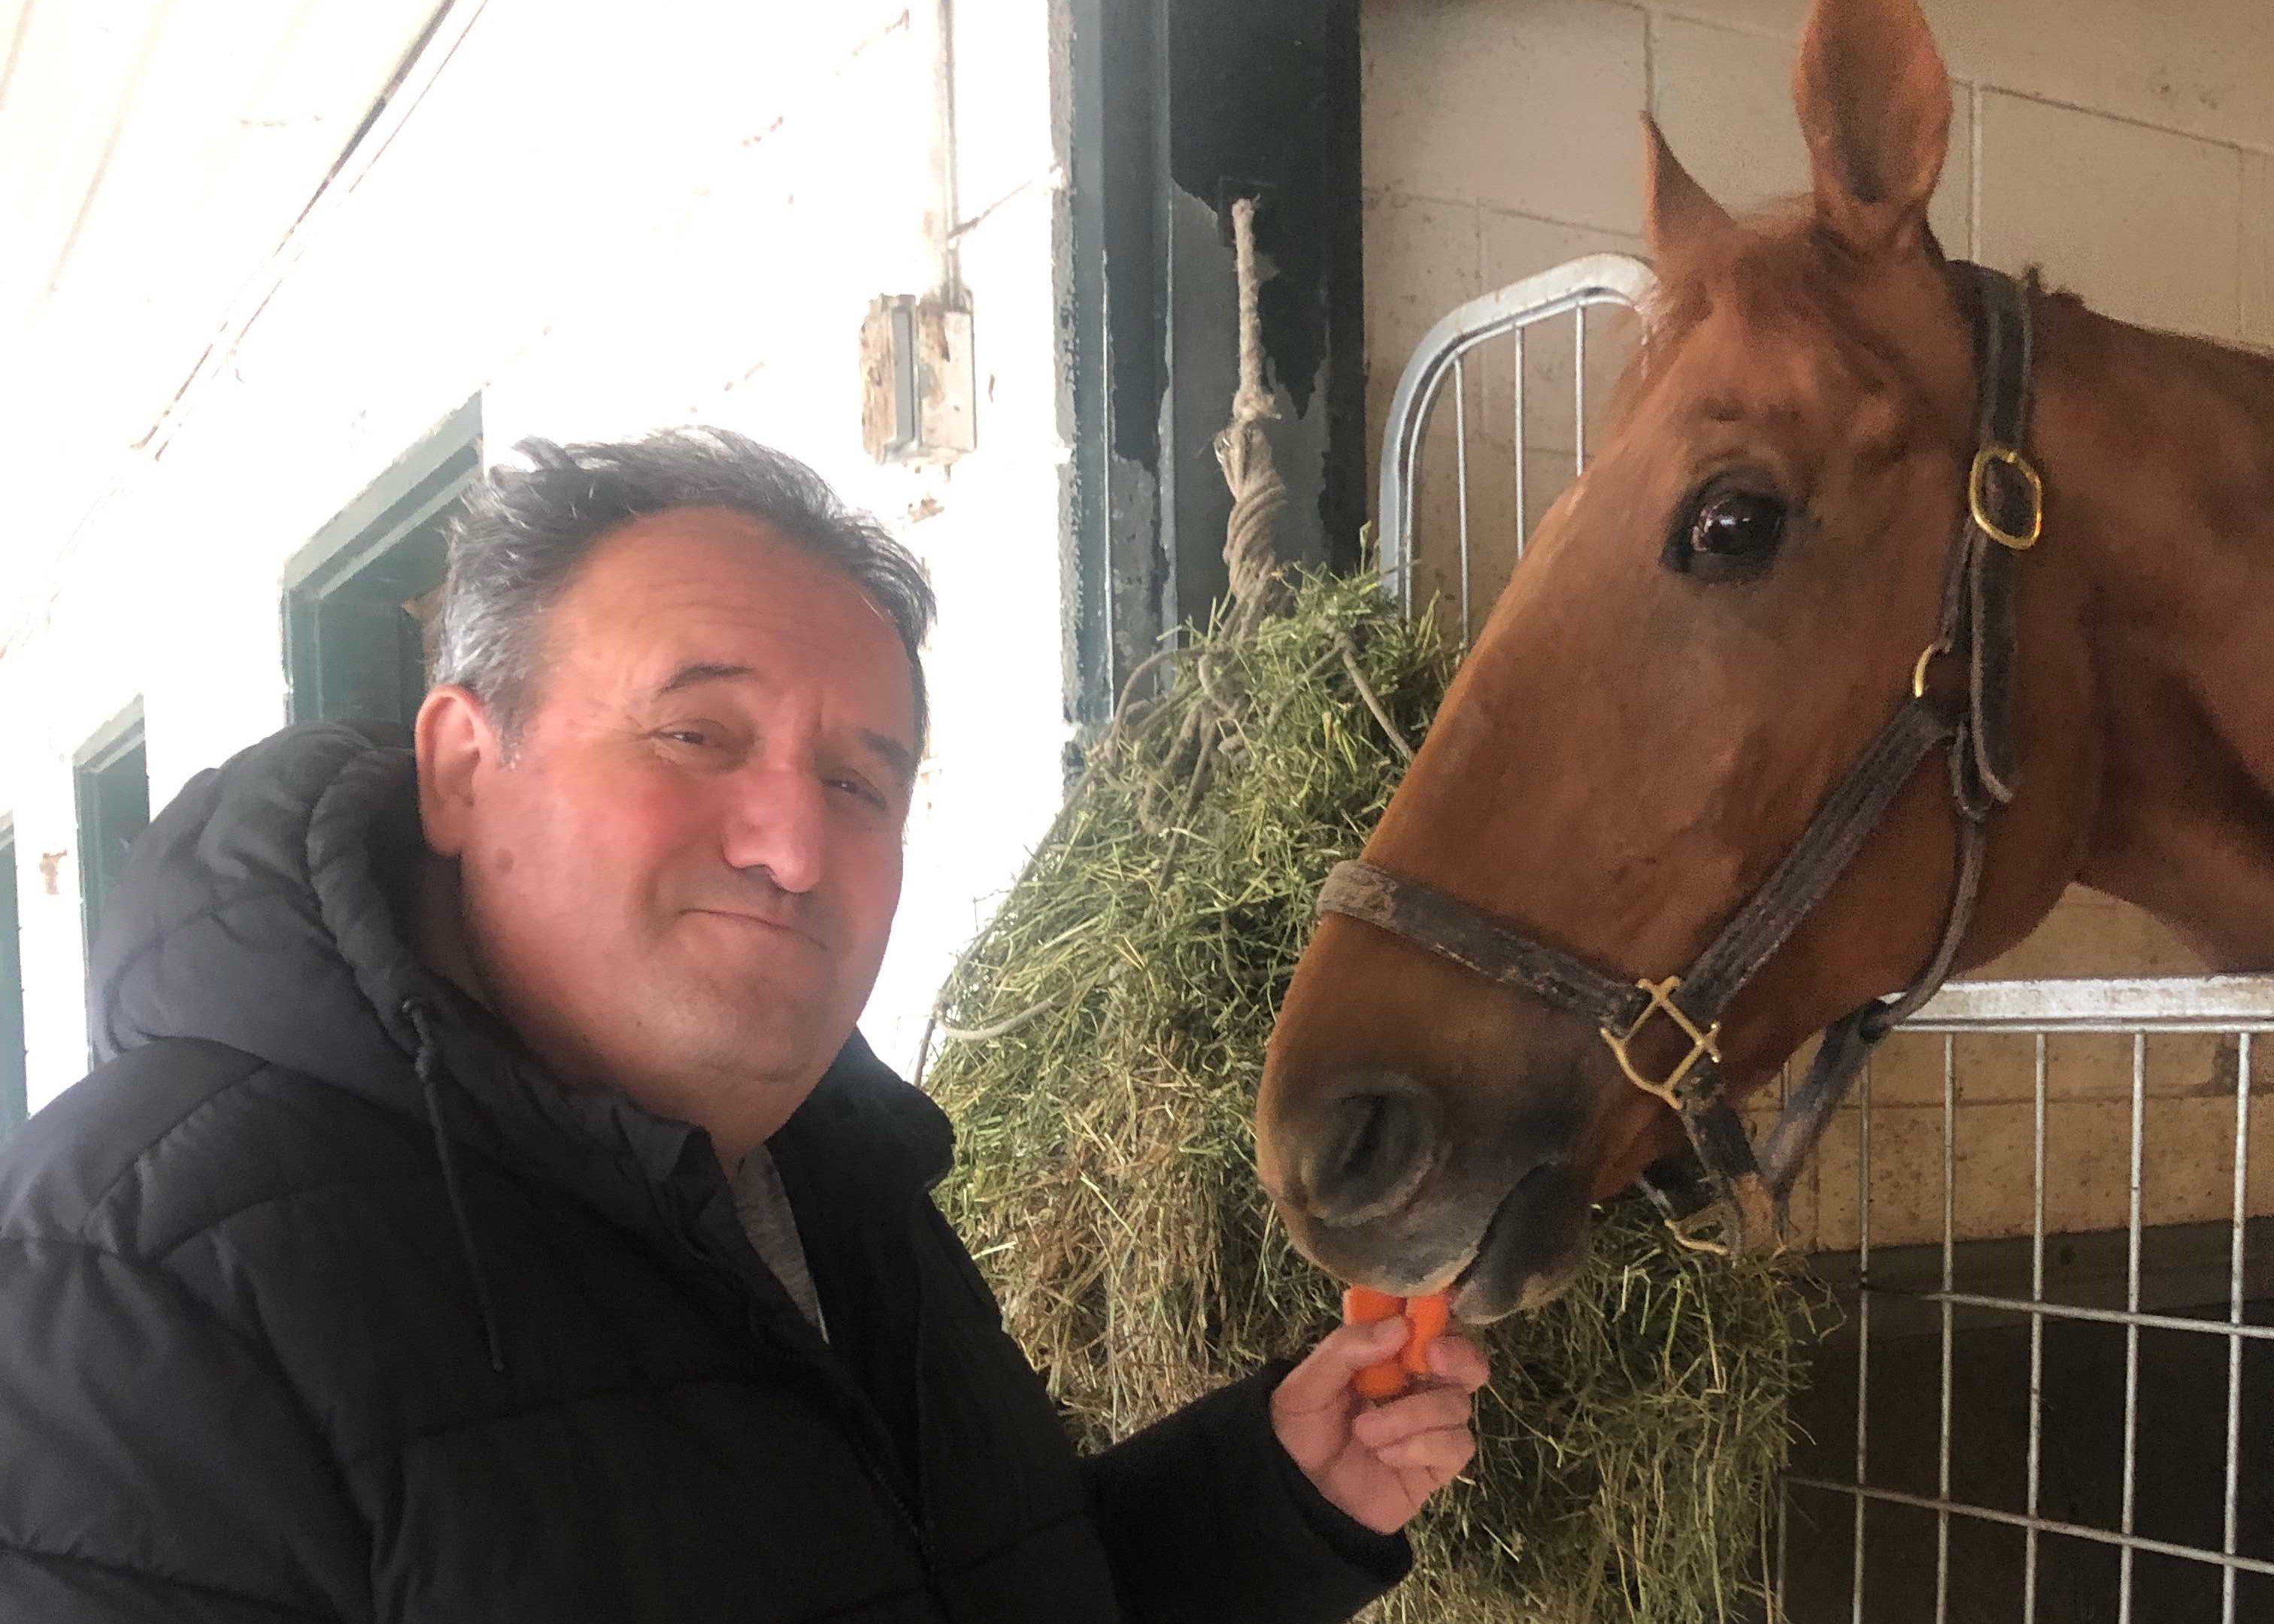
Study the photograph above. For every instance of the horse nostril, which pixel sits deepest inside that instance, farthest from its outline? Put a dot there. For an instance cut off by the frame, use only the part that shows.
(1372, 1152)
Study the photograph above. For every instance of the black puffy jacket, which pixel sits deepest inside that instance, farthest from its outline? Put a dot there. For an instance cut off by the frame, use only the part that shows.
(318, 1300)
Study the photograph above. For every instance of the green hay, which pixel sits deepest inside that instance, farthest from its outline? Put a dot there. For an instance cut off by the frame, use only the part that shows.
(1630, 1439)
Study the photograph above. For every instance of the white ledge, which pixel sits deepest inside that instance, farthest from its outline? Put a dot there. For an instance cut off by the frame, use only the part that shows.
(2120, 1004)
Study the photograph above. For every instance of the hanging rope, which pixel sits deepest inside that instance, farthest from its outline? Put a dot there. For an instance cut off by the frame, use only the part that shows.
(1243, 449)
(1211, 730)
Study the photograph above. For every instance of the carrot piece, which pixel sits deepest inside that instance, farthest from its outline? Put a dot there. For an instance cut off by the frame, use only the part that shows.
(1426, 1319)
(1363, 1305)
(1381, 1382)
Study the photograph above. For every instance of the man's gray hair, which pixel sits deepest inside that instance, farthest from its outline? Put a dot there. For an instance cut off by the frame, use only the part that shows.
(517, 544)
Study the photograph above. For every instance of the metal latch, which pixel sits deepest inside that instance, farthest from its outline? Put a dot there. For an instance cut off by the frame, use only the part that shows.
(916, 381)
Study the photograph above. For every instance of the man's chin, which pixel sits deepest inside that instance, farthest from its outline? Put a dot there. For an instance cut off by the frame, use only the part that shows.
(757, 1026)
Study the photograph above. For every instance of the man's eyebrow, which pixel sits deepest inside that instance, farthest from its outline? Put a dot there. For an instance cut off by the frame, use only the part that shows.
(698, 672)
(896, 755)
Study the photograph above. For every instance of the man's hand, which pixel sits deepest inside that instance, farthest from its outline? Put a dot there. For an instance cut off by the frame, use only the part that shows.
(1378, 1461)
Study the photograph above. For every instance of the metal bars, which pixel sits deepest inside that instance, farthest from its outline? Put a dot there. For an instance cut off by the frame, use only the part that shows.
(1863, 1324)
(2235, 1313)
(2235, 1006)
(1570, 290)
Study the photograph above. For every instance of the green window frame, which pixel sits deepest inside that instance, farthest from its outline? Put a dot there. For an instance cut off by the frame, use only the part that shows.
(354, 638)
(15, 1078)
(111, 781)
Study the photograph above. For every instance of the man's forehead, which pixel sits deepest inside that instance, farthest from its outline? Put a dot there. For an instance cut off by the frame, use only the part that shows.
(673, 600)
(705, 585)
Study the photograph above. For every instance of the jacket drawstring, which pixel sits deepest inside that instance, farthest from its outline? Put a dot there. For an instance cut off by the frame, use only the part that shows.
(428, 1065)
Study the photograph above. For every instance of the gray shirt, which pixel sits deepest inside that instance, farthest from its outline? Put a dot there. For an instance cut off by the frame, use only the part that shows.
(763, 1206)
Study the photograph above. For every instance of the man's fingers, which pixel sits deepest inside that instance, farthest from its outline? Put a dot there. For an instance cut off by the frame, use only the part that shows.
(1322, 1380)
(1431, 1409)
(1446, 1451)
(1456, 1359)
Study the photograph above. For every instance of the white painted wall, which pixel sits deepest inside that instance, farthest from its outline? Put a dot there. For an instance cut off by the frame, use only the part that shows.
(602, 219)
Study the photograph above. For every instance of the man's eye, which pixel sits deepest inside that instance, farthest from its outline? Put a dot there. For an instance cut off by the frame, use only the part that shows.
(685, 735)
(859, 791)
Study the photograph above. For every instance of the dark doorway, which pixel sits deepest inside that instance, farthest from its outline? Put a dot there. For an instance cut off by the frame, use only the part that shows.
(1179, 107)
(359, 598)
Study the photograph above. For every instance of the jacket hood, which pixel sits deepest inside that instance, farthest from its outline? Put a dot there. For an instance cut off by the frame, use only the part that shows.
(261, 909)
(256, 911)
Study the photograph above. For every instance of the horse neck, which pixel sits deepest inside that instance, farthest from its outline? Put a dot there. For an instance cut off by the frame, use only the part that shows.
(2159, 452)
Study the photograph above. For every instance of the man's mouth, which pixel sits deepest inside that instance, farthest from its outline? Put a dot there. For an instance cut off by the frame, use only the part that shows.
(765, 922)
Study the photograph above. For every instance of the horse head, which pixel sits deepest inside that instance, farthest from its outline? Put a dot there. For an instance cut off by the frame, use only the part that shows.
(1710, 627)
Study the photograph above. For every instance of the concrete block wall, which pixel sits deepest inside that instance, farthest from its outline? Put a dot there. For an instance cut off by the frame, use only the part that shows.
(601, 227)
(2126, 145)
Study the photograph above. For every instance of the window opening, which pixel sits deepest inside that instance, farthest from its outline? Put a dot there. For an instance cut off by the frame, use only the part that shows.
(360, 598)
(113, 783)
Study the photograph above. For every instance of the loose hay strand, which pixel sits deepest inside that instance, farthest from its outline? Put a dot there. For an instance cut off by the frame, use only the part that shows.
(1630, 1443)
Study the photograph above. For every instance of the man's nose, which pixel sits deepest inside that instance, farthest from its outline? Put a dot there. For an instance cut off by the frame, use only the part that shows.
(777, 820)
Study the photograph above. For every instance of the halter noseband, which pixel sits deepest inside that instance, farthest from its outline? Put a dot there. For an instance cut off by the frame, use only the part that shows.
(2005, 501)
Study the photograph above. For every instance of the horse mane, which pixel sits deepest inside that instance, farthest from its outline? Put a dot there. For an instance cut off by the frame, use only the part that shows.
(1774, 265)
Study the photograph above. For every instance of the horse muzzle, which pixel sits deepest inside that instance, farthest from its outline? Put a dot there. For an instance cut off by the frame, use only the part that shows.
(1378, 1188)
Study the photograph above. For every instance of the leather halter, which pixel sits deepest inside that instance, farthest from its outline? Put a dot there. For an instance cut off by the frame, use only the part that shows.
(2005, 514)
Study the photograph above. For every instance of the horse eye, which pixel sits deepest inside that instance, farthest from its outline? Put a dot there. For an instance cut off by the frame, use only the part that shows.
(1731, 533)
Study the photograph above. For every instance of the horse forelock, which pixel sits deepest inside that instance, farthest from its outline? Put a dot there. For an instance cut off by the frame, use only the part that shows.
(1778, 275)
(1768, 268)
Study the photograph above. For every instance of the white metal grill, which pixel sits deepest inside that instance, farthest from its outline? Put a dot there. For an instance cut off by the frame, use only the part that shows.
(1443, 357)
(2237, 1007)
(1912, 1289)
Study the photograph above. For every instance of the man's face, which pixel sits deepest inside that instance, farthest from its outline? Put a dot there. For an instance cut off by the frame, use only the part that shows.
(682, 881)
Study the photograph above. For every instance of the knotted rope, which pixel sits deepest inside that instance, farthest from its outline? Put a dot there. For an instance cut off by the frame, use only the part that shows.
(1243, 449)
(1208, 724)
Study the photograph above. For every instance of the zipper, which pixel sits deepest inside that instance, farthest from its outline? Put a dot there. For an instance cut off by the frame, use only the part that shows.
(841, 1393)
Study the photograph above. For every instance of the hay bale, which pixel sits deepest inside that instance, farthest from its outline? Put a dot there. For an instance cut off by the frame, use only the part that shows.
(1113, 1021)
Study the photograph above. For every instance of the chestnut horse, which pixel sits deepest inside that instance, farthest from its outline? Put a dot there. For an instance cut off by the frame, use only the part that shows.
(1715, 622)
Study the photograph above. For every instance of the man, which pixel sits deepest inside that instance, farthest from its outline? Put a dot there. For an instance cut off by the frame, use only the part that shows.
(484, 1209)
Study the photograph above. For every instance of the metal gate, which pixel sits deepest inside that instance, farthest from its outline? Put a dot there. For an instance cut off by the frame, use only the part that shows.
(2061, 1405)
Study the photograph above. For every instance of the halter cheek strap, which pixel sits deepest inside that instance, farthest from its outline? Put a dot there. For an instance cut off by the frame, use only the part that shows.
(2004, 516)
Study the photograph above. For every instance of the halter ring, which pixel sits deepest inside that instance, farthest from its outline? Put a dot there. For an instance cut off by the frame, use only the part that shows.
(1933, 652)
(1703, 1044)
(1978, 491)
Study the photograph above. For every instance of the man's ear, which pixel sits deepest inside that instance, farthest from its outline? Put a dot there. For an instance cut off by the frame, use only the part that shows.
(456, 742)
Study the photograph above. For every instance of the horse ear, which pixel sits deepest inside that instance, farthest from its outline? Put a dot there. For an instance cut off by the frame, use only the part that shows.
(1874, 102)
(1679, 211)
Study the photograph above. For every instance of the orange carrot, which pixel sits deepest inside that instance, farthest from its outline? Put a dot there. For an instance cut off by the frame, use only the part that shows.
(1428, 1318)
(1362, 1305)
(1380, 1382)
(1425, 1319)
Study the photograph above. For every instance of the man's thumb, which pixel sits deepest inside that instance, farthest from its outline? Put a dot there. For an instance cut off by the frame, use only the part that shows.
(1323, 1379)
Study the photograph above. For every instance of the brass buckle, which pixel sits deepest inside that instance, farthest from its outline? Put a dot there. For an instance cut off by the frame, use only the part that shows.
(1975, 490)
(1703, 1044)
